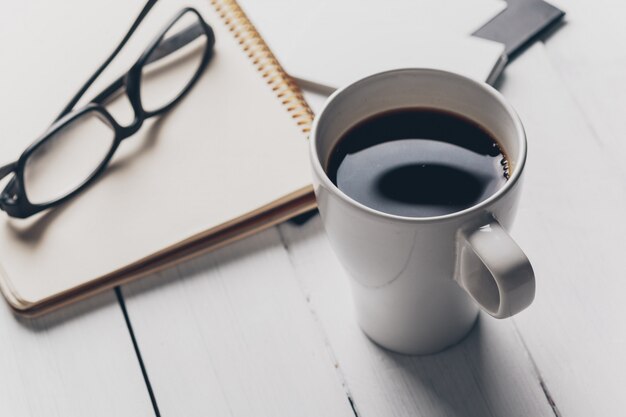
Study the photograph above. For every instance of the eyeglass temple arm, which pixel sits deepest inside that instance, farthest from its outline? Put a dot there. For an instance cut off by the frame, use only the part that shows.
(175, 42)
(117, 50)
(164, 49)
(7, 169)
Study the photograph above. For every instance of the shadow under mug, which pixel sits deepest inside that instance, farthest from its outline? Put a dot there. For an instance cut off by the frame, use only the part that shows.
(410, 276)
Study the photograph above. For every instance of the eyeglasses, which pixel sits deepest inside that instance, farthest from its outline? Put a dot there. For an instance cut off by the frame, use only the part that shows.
(78, 146)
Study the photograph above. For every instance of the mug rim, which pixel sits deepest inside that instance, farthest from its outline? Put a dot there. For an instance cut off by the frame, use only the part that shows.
(495, 94)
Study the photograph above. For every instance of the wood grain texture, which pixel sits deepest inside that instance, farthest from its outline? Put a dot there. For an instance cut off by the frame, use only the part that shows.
(76, 362)
(259, 330)
(487, 374)
(571, 224)
(589, 56)
(230, 334)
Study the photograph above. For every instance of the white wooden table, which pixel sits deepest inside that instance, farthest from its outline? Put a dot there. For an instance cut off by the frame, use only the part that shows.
(265, 327)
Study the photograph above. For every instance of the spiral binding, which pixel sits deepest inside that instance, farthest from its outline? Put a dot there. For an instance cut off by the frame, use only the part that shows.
(266, 63)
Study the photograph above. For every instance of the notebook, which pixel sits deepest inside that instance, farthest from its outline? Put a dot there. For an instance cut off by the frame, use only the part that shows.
(229, 160)
(325, 44)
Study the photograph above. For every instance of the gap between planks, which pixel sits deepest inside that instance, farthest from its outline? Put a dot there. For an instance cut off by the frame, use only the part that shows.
(307, 293)
(542, 383)
(144, 371)
(320, 329)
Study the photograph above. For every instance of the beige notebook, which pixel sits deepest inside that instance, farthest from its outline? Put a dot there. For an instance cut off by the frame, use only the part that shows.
(229, 160)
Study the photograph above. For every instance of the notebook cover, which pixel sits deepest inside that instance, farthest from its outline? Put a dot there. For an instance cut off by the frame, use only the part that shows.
(230, 160)
(340, 41)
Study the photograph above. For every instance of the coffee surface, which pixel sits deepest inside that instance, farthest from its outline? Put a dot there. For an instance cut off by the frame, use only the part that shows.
(418, 163)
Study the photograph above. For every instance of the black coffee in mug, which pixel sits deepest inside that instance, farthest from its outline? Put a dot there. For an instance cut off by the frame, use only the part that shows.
(418, 162)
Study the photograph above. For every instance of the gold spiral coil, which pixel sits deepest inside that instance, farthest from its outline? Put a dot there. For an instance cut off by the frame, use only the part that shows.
(265, 62)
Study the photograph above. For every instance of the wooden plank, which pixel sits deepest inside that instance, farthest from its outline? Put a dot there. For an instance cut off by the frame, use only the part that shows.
(487, 374)
(571, 223)
(230, 334)
(76, 362)
(588, 55)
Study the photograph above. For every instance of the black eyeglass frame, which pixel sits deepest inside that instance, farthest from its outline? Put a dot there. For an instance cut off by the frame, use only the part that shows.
(14, 200)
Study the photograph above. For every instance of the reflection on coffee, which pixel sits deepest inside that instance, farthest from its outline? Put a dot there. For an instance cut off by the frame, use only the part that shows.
(418, 162)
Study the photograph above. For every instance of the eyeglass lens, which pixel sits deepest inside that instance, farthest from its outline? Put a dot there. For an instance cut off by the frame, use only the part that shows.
(173, 63)
(71, 155)
(67, 158)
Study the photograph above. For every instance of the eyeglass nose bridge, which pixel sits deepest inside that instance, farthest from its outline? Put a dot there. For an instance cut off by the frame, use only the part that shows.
(124, 132)
(126, 88)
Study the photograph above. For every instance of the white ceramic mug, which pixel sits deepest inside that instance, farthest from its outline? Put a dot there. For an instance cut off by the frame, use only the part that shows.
(411, 276)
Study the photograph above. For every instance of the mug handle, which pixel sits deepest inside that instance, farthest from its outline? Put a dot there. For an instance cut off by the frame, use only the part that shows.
(494, 270)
